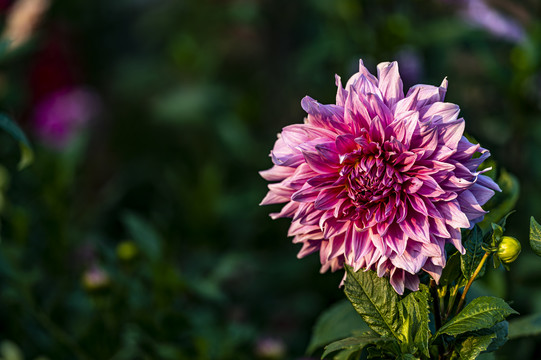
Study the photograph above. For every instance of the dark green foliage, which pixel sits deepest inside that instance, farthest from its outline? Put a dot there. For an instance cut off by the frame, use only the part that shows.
(338, 322)
(474, 252)
(481, 313)
(375, 300)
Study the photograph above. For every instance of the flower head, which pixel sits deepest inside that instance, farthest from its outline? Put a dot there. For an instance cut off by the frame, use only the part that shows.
(379, 180)
(62, 115)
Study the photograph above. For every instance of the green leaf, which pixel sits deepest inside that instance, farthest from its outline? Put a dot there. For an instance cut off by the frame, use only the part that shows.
(414, 315)
(148, 240)
(474, 252)
(339, 321)
(483, 312)
(10, 351)
(451, 271)
(503, 221)
(474, 345)
(500, 330)
(535, 236)
(27, 155)
(347, 354)
(407, 357)
(352, 343)
(525, 326)
(375, 300)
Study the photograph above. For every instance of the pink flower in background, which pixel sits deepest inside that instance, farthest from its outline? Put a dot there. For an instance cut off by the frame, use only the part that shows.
(63, 114)
(380, 180)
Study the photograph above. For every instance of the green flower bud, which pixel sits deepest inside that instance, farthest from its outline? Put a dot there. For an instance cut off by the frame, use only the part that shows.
(508, 249)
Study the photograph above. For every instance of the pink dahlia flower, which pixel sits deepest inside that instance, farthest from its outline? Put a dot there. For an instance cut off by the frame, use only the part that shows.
(380, 180)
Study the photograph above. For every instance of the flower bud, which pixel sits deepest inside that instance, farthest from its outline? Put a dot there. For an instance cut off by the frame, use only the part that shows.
(95, 279)
(508, 249)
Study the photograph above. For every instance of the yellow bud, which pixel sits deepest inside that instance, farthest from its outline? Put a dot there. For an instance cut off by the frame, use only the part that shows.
(509, 249)
(126, 250)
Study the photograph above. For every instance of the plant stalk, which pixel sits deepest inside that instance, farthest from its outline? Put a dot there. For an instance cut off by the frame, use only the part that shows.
(476, 272)
(437, 314)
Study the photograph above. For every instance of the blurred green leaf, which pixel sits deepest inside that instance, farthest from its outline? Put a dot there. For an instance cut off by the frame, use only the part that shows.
(338, 322)
(13, 129)
(353, 344)
(142, 232)
(10, 351)
(529, 325)
(535, 236)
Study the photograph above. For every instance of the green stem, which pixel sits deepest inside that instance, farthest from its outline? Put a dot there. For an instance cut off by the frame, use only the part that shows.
(452, 297)
(476, 272)
(437, 313)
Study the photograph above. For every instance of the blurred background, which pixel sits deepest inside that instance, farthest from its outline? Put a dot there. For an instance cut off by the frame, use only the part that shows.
(136, 232)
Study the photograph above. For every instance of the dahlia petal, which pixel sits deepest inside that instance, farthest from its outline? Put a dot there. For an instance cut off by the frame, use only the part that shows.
(397, 280)
(411, 262)
(337, 246)
(367, 87)
(322, 180)
(426, 94)
(416, 227)
(277, 173)
(396, 239)
(309, 247)
(404, 126)
(273, 198)
(313, 235)
(451, 132)
(363, 71)
(390, 83)
(418, 204)
(412, 185)
(408, 103)
(488, 183)
(438, 227)
(346, 144)
(281, 190)
(411, 282)
(481, 193)
(440, 112)
(341, 94)
(327, 198)
(332, 227)
(469, 206)
(433, 270)
(455, 239)
(453, 215)
(376, 107)
(356, 113)
(328, 152)
(318, 164)
(287, 211)
(306, 194)
(297, 228)
(430, 188)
